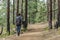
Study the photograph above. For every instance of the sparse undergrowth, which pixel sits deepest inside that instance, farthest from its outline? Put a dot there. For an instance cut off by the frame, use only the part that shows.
(13, 31)
(5, 33)
(46, 28)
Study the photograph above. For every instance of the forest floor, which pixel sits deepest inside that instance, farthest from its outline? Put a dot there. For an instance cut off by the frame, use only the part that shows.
(36, 32)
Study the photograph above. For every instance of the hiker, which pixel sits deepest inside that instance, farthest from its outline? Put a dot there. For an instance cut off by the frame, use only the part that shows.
(18, 23)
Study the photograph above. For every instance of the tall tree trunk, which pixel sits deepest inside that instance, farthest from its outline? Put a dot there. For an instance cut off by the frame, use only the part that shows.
(47, 10)
(50, 15)
(54, 1)
(1, 30)
(26, 11)
(17, 7)
(8, 16)
(13, 11)
(58, 12)
(22, 7)
(54, 8)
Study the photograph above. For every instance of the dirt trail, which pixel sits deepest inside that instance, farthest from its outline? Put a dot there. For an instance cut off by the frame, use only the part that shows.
(35, 32)
(33, 36)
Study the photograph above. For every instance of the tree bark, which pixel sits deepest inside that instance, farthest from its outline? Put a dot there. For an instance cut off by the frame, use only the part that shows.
(58, 16)
(26, 11)
(50, 15)
(13, 11)
(8, 16)
(17, 7)
(47, 10)
(22, 7)
(1, 30)
(54, 8)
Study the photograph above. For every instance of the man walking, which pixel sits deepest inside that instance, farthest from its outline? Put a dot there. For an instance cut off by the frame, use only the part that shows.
(18, 23)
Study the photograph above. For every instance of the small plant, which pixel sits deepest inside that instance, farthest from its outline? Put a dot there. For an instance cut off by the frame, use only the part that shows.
(1, 24)
(46, 28)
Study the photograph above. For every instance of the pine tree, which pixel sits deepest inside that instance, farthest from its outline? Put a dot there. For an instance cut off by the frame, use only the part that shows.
(8, 16)
(26, 11)
(50, 15)
(13, 11)
(17, 7)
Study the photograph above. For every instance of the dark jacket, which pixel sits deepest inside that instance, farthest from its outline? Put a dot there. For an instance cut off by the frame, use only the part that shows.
(18, 20)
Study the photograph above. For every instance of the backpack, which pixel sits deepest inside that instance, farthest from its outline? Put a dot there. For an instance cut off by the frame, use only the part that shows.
(18, 20)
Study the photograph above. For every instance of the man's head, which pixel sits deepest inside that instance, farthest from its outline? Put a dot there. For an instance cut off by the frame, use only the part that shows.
(18, 14)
